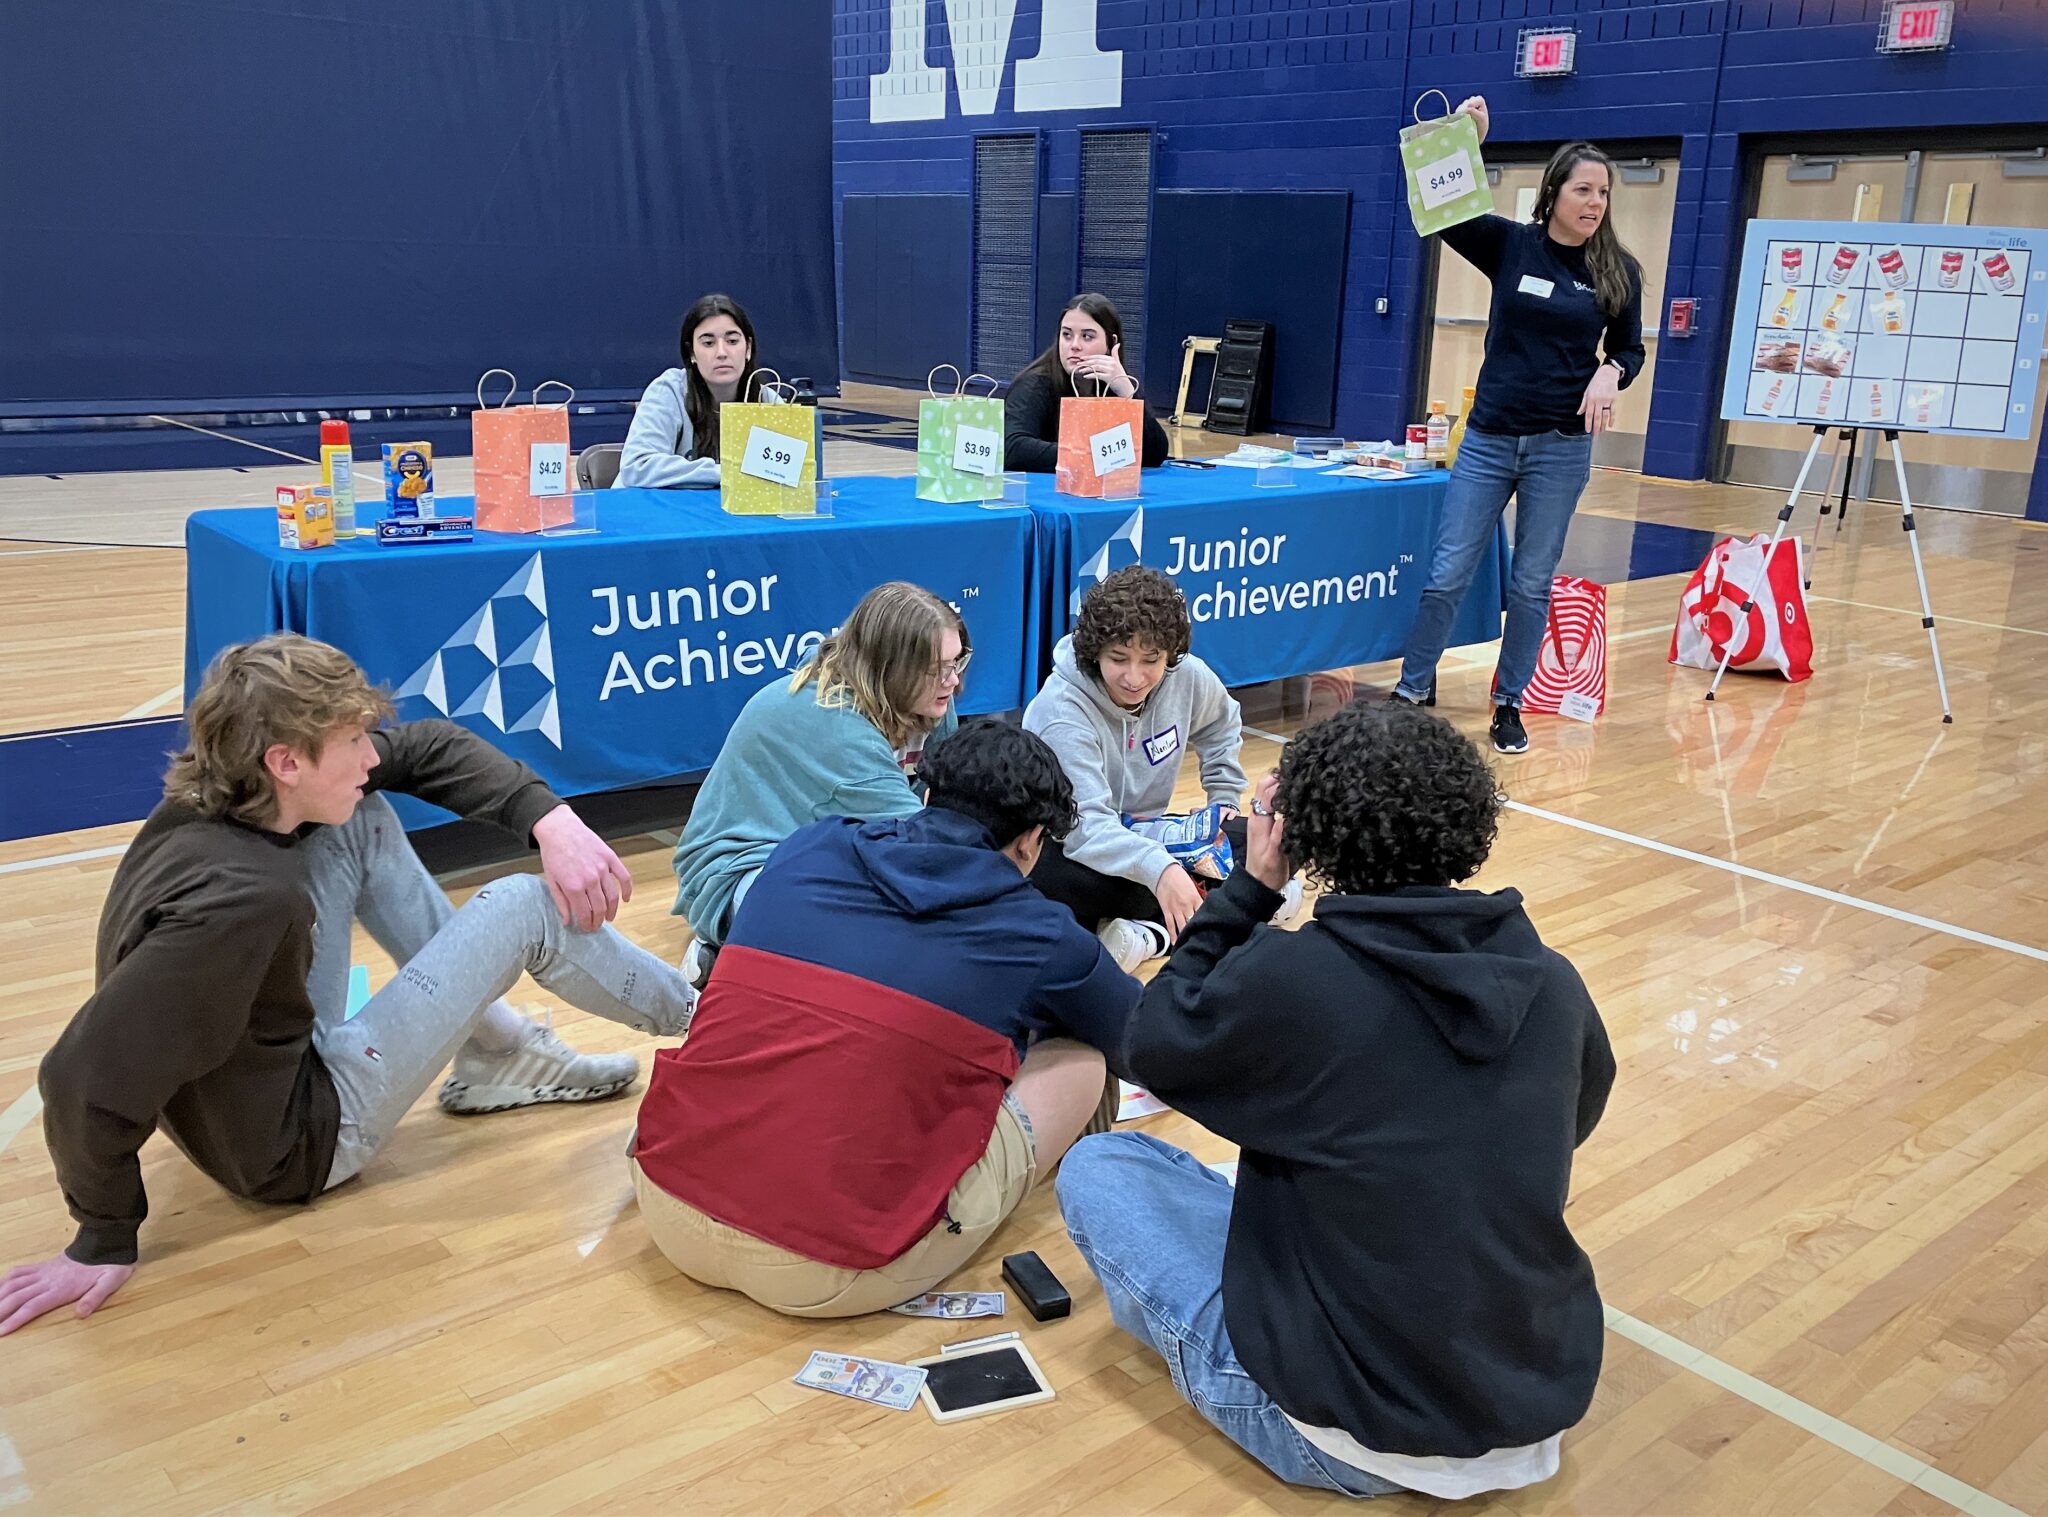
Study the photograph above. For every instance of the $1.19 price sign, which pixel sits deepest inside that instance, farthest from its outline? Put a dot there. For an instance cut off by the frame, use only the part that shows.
(547, 471)
(1113, 449)
(975, 451)
(1446, 179)
(774, 457)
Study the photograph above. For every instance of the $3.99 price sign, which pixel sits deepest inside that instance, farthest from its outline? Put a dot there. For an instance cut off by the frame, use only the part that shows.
(1446, 179)
(1113, 449)
(774, 457)
(974, 452)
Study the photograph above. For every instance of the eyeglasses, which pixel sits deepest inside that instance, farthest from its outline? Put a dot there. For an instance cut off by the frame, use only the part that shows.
(955, 668)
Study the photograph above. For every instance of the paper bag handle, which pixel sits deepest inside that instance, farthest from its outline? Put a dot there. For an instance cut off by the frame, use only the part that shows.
(932, 390)
(1101, 388)
(484, 405)
(554, 384)
(1446, 99)
(778, 383)
(993, 384)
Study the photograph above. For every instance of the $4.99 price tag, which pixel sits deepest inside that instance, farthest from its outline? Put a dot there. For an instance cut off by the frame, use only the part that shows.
(975, 451)
(1446, 179)
(1113, 449)
(774, 457)
(547, 471)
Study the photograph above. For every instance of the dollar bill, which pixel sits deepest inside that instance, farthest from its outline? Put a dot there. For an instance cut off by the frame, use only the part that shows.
(953, 1304)
(894, 1386)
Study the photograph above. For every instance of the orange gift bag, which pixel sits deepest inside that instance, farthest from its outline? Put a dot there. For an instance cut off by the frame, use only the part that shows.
(522, 460)
(1102, 446)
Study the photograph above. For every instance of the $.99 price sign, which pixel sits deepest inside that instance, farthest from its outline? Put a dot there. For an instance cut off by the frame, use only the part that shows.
(775, 457)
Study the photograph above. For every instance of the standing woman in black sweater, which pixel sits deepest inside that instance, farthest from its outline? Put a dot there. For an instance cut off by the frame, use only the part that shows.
(1086, 357)
(1563, 338)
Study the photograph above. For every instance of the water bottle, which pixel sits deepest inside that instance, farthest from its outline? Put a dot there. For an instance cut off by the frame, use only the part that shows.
(807, 395)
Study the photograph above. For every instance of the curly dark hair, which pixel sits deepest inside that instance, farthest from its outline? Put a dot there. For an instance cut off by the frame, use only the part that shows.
(1134, 605)
(1378, 796)
(1003, 777)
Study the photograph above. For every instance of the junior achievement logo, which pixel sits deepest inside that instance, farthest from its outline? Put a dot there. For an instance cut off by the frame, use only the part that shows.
(500, 663)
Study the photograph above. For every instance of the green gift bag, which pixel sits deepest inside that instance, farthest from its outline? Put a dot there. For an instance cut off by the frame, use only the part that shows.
(1446, 176)
(959, 441)
(767, 454)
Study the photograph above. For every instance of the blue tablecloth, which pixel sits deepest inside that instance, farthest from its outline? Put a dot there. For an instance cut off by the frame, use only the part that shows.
(1321, 575)
(620, 658)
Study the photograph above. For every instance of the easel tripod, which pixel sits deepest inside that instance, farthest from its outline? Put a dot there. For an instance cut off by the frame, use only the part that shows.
(1891, 437)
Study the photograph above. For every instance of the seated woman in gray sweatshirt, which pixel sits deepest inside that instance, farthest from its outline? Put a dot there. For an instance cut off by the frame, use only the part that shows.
(1125, 703)
(673, 442)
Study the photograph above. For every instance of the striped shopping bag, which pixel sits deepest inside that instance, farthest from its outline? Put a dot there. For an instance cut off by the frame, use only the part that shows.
(1571, 669)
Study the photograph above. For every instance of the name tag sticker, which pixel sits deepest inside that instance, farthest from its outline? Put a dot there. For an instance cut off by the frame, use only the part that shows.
(1531, 285)
(1163, 746)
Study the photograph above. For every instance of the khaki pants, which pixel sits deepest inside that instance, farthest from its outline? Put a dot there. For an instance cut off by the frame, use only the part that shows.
(713, 1254)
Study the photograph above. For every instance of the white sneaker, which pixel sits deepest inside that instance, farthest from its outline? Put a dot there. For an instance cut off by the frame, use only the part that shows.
(697, 961)
(1132, 943)
(540, 1070)
(1290, 903)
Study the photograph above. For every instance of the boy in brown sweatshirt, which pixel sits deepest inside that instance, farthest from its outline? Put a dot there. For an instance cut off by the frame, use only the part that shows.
(219, 1013)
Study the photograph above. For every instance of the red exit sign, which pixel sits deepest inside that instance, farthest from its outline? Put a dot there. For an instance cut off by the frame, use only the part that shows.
(1916, 26)
(1547, 52)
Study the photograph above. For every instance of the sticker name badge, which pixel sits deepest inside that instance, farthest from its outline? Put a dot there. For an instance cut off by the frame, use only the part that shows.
(1164, 746)
(1531, 285)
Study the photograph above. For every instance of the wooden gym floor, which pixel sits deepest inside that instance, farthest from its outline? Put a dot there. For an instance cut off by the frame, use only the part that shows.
(1815, 920)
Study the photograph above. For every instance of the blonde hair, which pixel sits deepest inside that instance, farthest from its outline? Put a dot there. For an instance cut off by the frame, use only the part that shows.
(279, 689)
(880, 661)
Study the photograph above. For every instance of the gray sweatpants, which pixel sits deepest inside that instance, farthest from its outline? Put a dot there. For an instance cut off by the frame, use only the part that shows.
(456, 963)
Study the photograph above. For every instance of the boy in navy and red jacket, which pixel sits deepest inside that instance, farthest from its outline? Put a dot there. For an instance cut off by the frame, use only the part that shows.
(899, 1038)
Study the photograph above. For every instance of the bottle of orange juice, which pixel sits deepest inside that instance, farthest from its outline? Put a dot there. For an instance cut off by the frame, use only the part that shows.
(1457, 438)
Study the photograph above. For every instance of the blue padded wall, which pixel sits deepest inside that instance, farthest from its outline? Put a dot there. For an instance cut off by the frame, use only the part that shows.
(323, 202)
(1276, 256)
(908, 284)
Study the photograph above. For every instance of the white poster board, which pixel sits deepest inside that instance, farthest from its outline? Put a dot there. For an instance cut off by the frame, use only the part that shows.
(1888, 324)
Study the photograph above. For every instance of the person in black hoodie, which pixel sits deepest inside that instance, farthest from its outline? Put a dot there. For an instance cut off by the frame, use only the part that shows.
(1390, 1299)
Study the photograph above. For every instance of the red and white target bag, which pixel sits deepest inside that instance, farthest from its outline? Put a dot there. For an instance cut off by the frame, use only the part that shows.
(1571, 666)
(1773, 634)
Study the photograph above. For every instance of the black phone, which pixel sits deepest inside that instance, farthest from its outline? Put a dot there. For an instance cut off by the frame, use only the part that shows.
(1044, 1297)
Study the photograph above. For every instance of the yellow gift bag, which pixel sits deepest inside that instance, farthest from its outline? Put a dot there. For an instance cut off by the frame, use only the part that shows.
(767, 458)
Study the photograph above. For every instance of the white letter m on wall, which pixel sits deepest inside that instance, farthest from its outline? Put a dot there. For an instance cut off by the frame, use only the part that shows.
(1067, 73)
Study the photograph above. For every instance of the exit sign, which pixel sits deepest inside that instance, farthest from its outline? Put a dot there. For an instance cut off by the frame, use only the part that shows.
(1916, 26)
(1547, 52)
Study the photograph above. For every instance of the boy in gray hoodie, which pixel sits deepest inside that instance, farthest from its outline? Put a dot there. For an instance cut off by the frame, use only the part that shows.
(1125, 703)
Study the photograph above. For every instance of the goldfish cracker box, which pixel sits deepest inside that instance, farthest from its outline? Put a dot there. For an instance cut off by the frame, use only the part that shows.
(305, 516)
(409, 479)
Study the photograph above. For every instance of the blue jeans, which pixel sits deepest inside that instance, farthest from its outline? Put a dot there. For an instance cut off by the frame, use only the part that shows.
(1546, 474)
(1151, 1219)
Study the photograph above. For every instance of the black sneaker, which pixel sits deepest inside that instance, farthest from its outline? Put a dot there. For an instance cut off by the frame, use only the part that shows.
(1400, 697)
(1509, 736)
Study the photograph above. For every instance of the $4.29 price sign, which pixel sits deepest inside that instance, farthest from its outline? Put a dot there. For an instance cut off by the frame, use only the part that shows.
(547, 471)
(974, 452)
(1113, 449)
(774, 457)
(1446, 179)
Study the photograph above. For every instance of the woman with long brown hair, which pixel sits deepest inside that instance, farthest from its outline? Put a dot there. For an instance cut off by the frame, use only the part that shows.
(838, 738)
(673, 441)
(1085, 358)
(1563, 338)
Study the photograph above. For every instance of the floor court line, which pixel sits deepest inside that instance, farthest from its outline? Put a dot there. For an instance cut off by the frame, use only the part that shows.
(155, 703)
(1851, 1440)
(1834, 897)
(1960, 621)
(51, 860)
